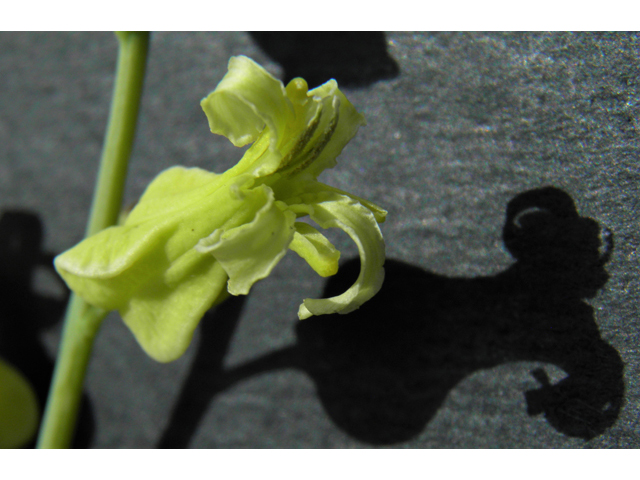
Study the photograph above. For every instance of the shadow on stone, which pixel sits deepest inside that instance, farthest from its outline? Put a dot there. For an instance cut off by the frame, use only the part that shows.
(25, 313)
(205, 377)
(354, 59)
(383, 371)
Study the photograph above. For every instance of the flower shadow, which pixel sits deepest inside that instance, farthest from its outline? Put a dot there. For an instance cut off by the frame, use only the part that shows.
(25, 312)
(354, 59)
(383, 371)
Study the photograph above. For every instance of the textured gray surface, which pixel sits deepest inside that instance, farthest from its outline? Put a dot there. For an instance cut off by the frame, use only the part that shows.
(470, 123)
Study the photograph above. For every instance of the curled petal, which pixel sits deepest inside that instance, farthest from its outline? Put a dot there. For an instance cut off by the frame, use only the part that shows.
(379, 213)
(314, 247)
(330, 209)
(248, 251)
(245, 100)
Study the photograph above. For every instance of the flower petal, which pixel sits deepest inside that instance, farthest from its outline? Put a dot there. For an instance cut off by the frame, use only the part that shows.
(163, 315)
(314, 247)
(171, 191)
(379, 213)
(148, 268)
(248, 251)
(330, 209)
(106, 269)
(245, 100)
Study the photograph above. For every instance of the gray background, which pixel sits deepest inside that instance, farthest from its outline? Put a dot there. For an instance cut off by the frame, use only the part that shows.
(467, 123)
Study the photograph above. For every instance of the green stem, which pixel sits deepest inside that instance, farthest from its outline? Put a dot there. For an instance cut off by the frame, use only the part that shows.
(107, 199)
(81, 325)
(82, 321)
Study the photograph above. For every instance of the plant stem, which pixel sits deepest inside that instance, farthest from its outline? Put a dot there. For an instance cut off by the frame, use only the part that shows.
(107, 200)
(82, 320)
(81, 325)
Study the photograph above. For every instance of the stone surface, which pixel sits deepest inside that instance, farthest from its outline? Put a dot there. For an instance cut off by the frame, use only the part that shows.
(509, 317)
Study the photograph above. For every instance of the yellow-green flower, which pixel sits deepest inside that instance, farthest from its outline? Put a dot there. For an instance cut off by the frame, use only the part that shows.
(193, 230)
